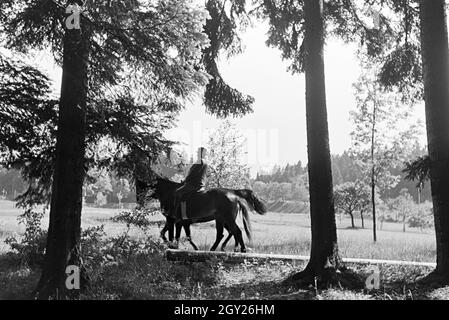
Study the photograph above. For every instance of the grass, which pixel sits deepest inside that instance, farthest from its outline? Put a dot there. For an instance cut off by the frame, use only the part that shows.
(272, 233)
(150, 276)
(290, 234)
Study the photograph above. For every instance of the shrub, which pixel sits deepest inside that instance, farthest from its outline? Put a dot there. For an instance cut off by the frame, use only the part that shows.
(421, 217)
(138, 217)
(31, 247)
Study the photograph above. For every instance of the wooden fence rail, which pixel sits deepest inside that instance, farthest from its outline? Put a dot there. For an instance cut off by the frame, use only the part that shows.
(235, 257)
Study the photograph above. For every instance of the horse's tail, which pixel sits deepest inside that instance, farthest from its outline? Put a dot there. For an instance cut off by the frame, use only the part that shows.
(245, 217)
(254, 203)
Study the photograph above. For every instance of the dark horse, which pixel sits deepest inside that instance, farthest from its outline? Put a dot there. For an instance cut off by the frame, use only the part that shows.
(219, 204)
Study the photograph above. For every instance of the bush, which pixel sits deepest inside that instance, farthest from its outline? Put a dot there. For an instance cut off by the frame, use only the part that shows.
(421, 217)
(138, 217)
(123, 266)
(31, 247)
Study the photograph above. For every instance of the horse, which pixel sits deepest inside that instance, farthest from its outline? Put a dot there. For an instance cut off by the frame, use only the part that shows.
(171, 223)
(219, 204)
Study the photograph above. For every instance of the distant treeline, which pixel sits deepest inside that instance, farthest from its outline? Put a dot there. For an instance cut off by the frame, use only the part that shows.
(11, 184)
(290, 182)
(287, 183)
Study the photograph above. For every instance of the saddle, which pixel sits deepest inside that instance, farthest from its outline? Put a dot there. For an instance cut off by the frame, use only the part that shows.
(183, 197)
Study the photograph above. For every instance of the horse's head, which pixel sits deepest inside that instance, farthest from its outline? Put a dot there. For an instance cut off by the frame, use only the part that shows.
(160, 188)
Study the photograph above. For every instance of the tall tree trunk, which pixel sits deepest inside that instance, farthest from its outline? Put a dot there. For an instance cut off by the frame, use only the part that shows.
(352, 219)
(419, 195)
(324, 255)
(434, 44)
(404, 219)
(64, 232)
(363, 221)
(373, 172)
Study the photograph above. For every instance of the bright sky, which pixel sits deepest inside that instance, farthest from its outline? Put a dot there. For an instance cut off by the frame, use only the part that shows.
(276, 131)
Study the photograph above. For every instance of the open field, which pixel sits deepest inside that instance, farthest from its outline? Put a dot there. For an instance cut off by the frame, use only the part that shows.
(151, 276)
(273, 233)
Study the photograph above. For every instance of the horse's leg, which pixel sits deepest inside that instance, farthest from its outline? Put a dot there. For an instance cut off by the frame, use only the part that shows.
(237, 233)
(164, 231)
(179, 226)
(223, 246)
(175, 244)
(219, 226)
(227, 238)
(189, 237)
(171, 227)
(236, 245)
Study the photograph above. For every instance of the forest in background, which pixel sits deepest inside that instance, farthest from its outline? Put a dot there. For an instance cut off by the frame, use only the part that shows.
(287, 182)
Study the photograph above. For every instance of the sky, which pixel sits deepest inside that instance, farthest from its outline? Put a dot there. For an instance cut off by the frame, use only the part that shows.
(276, 130)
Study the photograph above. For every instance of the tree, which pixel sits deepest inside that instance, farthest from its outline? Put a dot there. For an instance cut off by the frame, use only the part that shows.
(27, 127)
(120, 189)
(225, 17)
(421, 217)
(64, 232)
(286, 190)
(289, 21)
(352, 196)
(418, 170)
(260, 188)
(227, 167)
(274, 191)
(104, 34)
(415, 55)
(376, 143)
(101, 184)
(404, 206)
(435, 59)
(299, 189)
(324, 256)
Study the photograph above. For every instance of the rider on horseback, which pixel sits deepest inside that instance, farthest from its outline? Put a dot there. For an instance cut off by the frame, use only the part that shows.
(194, 182)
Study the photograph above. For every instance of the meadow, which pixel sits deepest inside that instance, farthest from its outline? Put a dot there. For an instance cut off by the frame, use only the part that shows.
(149, 275)
(275, 233)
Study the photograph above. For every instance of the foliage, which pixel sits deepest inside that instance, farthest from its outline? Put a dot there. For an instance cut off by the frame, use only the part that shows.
(105, 182)
(121, 36)
(30, 247)
(282, 174)
(11, 182)
(225, 158)
(286, 183)
(125, 252)
(130, 119)
(296, 190)
(402, 204)
(145, 59)
(27, 125)
(352, 196)
(418, 170)
(392, 41)
(404, 209)
(138, 217)
(378, 144)
(173, 165)
(421, 217)
(222, 30)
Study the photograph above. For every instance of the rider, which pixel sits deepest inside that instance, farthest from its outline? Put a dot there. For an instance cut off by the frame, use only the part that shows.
(194, 182)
